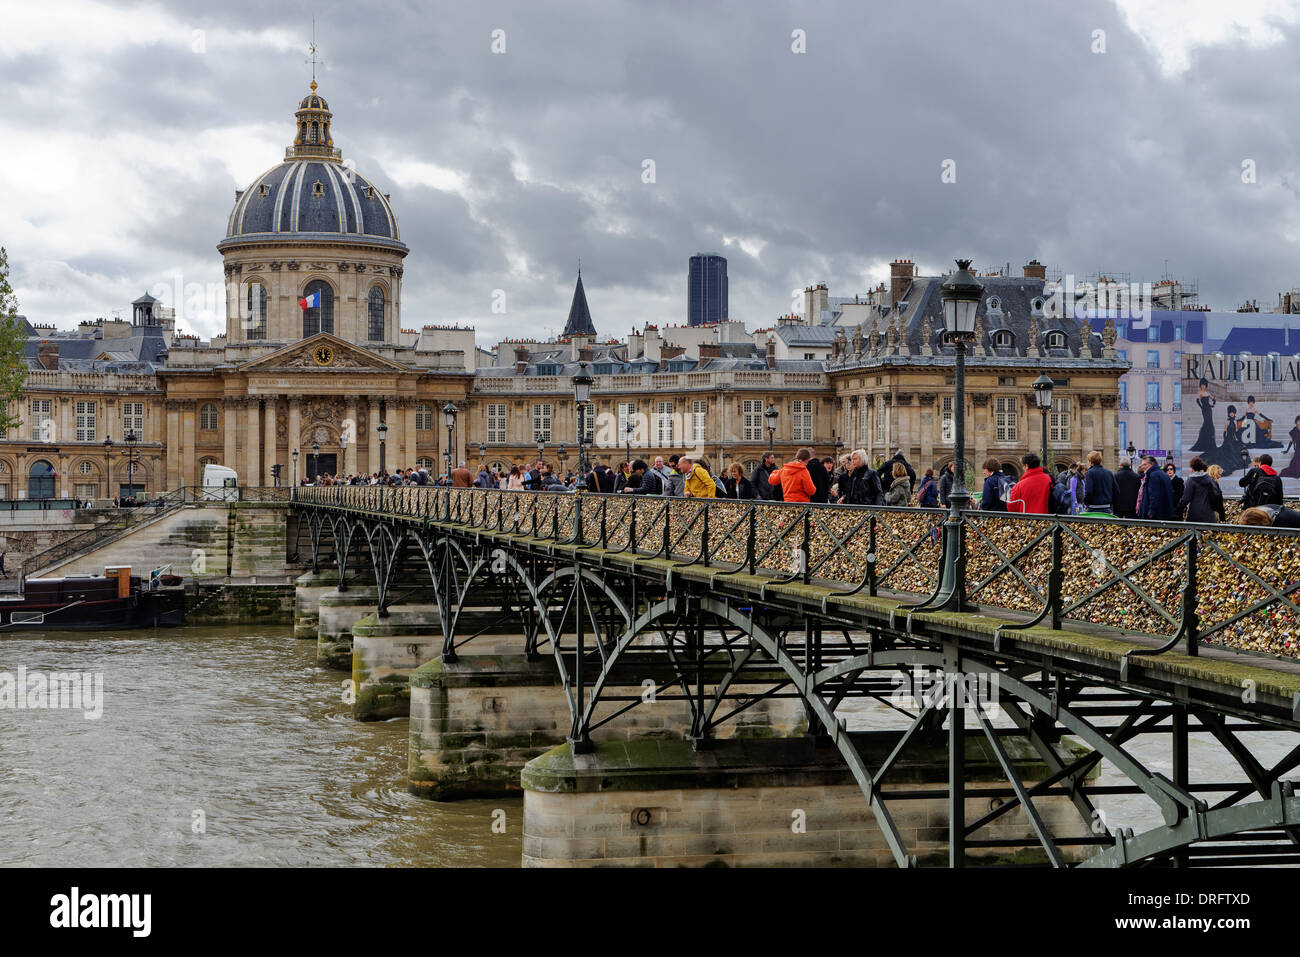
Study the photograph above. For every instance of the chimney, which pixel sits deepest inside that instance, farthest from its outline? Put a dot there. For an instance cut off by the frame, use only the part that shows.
(1035, 270)
(584, 354)
(771, 354)
(901, 272)
(710, 350)
(47, 353)
(521, 360)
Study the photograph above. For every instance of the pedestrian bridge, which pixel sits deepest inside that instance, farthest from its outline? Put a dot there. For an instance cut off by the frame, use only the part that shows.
(1083, 636)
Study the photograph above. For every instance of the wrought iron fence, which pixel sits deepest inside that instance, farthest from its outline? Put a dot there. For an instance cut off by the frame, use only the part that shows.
(1227, 585)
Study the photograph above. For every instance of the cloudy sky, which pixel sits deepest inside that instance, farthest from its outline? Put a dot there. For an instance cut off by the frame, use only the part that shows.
(1098, 136)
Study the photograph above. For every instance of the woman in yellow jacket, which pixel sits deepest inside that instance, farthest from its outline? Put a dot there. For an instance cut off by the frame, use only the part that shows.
(699, 483)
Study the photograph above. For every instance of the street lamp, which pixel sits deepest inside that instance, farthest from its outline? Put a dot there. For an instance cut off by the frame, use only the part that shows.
(294, 456)
(1132, 452)
(108, 467)
(131, 439)
(561, 454)
(541, 445)
(582, 395)
(631, 427)
(482, 454)
(960, 293)
(1043, 394)
(315, 456)
(771, 415)
(343, 456)
(449, 419)
(382, 429)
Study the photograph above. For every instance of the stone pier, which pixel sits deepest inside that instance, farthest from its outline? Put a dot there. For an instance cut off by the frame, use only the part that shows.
(384, 653)
(309, 589)
(761, 803)
(337, 612)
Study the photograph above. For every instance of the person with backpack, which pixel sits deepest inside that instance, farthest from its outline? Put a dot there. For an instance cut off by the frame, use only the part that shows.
(699, 483)
(1098, 485)
(886, 471)
(1262, 484)
(946, 477)
(997, 484)
(927, 495)
(793, 478)
(675, 480)
(1202, 499)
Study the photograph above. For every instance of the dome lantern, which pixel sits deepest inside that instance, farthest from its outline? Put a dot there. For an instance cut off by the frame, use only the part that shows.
(312, 135)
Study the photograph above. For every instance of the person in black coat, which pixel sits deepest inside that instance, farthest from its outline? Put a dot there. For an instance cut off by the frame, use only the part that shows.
(765, 489)
(1098, 485)
(1127, 484)
(1157, 492)
(1202, 499)
(1172, 471)
(862, 486)
(945, 484)
(991, 494)
(737, 485)
(886, 471)
(821, 480)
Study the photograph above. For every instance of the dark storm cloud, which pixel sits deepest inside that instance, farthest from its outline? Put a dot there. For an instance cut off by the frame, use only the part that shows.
(830, 160)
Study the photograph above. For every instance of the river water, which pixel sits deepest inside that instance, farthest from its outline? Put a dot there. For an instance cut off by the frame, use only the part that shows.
(218, 746)
(229, 746)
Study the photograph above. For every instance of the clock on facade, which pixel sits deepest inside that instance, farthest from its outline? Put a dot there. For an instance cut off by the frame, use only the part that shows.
(323, 355)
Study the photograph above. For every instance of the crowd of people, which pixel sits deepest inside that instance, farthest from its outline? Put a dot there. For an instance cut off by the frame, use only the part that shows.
(1147, 490)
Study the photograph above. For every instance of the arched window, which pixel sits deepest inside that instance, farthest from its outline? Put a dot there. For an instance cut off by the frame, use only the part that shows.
(1002, 338)
(255, 320)
(376, 330)
(314, 129)
(318, 318)
(1056, 340)
(208, 460)
(208, 418)
(423, 418)
(40, 480)
(424, 463)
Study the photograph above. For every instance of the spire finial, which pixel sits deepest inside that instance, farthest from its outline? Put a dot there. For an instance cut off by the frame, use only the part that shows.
(579, 267)
(311, 48)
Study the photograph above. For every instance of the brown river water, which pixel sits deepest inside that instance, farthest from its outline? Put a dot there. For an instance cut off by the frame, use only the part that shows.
(238, 724)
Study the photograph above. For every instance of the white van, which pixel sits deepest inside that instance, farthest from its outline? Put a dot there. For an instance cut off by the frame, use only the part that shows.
(220, 484)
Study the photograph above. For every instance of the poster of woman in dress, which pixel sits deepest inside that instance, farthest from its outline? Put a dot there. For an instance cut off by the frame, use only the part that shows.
(1231, 454)
(1205, 438)
(1256, 428)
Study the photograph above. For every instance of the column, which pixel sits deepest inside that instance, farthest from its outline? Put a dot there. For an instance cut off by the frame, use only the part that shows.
(173, 473)
(248, 475)
(66, 432)
(353, 462)
(408, 426)
(189, 470)
(268, 441)
(229, 431)
(372, 436)
(294, 439)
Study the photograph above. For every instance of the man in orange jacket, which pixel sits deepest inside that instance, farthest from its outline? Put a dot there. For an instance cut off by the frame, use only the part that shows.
(796, 484)
(1033, 492)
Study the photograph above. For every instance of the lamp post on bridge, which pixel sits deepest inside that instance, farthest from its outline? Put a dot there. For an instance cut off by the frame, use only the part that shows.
(582, 381)
(315, 458)
(1043, 394)
(108, 468)
(771, 416)
(343, 456)
(631, 427)
(449, 418)
(383, 450)
(294, 455)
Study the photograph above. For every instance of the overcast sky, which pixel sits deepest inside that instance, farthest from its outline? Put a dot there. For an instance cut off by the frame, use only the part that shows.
(125, 130)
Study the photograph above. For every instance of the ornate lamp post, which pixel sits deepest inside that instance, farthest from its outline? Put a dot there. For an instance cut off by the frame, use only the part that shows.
(582, 395)
(1043, 394)
(382, 429)
(315, 455)
(108, 467)
(1132, 451)
(561, 454)
(294, 456)
(771, 416)
(131, 439)
(961, 295)
(449, 419)
(631, 427)
(482, 454)
(343, 456)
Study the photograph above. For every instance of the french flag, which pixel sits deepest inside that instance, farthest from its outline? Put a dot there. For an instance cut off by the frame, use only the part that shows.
(311, 302)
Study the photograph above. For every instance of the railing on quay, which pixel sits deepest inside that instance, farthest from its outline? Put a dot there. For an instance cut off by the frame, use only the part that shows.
(1226, 585)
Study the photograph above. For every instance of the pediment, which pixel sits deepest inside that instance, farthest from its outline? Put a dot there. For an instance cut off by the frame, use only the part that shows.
(303, 357)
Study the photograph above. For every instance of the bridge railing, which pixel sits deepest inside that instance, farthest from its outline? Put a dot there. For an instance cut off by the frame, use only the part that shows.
(1229, 585)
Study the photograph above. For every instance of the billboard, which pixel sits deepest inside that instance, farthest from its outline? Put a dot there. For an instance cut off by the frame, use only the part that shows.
(1236, 407)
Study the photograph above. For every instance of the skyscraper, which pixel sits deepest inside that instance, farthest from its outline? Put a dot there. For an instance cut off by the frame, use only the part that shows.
(706, 289)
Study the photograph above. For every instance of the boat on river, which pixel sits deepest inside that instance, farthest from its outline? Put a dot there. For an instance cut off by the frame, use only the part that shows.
(115, 600)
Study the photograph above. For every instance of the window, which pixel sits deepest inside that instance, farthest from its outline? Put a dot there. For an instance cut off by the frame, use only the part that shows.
(1122, 353)
(85, 422)
(496, 422)
(542, 421)
(626, 414)
(548, 370)
(375, 327)
(949, 432)
(1153, 358)
(208, 418)
(1153, 334)
(255, 320)
(1153, 396)
(1178, 396)
(863, 412)
(425, 463)
(1006, 418)
(751, 411)
(1058, 421)
(1178, 437)
(1153, 435)
(318, 188)
(803, 420)
(664, 423)
(42, 424)
(880, 419)
(423, 418)
(86, 468)
(699, 409)
(587, 423)
(85, 490)
(1178, 331)
(1123, 436)
(133, 419)
(1056, 340)
(209, 460)
(1002, 338)
(316, 319)
(1120, 329)
(1123, 394)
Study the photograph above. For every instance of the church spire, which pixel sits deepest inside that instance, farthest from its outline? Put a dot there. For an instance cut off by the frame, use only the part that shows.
(579, 323)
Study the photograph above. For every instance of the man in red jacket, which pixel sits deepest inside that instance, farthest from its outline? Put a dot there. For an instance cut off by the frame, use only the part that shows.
(793, 478)
(1033, 492)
